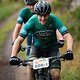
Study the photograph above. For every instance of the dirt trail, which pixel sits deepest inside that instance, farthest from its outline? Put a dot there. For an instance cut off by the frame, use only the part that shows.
(6, 71)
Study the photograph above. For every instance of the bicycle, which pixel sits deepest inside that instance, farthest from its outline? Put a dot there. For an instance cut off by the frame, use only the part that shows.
(40, 65)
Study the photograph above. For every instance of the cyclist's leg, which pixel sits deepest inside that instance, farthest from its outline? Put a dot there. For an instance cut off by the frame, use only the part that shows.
(29, 42)
(55, 73)
(55, 66)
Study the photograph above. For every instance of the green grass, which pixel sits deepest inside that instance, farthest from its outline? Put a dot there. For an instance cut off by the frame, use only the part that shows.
(70, 70)
(6, 9)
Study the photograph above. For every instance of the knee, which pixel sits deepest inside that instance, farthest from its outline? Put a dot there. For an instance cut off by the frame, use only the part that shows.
(55, 74)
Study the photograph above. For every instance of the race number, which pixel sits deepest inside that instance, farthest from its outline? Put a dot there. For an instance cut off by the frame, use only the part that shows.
(40, 63)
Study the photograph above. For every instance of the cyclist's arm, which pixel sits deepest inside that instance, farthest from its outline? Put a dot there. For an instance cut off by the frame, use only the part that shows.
(19, 40)
(63, 30)
(69, 40)
(59, 35)
(23, 33)
(16, 45)
(16, 31)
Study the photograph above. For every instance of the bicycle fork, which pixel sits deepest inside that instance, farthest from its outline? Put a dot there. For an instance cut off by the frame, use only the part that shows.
(42, 74)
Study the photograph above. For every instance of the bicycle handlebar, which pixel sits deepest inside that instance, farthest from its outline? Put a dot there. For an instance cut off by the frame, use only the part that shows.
(26, 62)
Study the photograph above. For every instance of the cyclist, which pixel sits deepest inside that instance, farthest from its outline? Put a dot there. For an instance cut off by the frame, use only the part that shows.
(43, 26)
(23, 17)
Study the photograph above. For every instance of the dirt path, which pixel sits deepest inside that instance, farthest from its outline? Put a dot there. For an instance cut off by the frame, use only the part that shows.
(6, 71)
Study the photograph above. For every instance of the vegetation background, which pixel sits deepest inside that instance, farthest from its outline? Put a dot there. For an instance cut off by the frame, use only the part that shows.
(65, 11)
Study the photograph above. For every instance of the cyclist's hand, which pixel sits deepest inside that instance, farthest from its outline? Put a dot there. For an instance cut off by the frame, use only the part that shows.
(14, 61)
(68, 55)
(60, 43)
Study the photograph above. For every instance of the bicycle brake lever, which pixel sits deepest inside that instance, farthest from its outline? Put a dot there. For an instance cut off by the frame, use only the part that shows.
(23, 49)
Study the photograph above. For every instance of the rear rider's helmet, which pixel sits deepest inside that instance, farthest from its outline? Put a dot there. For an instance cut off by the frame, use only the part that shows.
(30, 2)
(42, 8)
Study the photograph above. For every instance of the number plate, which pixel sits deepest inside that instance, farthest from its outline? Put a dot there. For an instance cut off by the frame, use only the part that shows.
(40, 63)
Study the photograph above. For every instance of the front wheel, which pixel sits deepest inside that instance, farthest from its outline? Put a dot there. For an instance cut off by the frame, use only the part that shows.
(40, 75)
(49, 76)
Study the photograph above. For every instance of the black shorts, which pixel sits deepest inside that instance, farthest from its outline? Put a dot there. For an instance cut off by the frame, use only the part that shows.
(37, 52)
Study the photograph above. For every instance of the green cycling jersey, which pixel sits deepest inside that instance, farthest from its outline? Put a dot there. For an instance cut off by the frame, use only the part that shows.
(44, 35)
(24, 15)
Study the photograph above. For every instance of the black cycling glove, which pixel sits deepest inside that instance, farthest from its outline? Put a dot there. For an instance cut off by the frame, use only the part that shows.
(14, 61)
(68, 55)
(60, 43)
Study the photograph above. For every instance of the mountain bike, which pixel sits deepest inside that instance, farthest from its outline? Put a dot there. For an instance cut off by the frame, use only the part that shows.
(41, 66)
